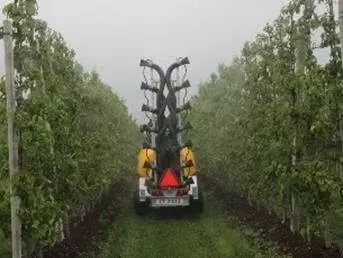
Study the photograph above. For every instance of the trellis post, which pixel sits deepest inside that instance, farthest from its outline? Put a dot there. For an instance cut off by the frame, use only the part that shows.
(340, 8)
(12, 138)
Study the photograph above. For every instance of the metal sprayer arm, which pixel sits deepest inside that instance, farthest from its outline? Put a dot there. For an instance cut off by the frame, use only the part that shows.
(171, 68)
(158, 69)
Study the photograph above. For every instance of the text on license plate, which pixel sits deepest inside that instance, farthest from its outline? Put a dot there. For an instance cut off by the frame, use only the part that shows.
(168, 201)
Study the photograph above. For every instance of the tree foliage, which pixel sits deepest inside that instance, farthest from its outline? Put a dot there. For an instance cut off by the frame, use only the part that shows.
(76, 134)
(247, 116)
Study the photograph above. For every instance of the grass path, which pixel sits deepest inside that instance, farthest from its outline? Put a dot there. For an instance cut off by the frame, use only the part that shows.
(169, 235)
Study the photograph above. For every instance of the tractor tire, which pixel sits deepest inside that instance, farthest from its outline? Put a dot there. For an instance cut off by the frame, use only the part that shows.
(197, 206)
(141, 208)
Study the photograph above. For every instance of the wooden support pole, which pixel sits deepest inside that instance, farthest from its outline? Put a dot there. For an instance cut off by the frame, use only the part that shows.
(300, 55)
(302, 42)
(12, 140)
(340, 8)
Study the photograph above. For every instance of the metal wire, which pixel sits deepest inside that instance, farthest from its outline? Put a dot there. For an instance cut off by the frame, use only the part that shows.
(145, 95)
(152, 95)
(185, 95)
(183, 80)
(145, 79)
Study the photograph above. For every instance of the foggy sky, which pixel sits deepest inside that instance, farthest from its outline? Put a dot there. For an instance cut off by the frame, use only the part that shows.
(111, 36)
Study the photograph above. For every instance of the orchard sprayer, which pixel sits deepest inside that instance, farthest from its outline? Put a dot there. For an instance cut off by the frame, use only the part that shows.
(166, 168)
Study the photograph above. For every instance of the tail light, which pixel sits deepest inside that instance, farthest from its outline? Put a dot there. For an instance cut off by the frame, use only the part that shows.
(182, 192)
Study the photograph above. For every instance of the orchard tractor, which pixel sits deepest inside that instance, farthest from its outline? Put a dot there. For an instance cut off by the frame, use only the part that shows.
(166, 169)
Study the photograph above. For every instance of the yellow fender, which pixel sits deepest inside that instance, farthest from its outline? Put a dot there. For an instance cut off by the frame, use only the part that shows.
(145, 155)
(186, 155)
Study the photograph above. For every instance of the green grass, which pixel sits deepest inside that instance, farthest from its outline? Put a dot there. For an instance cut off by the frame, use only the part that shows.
(212, 234)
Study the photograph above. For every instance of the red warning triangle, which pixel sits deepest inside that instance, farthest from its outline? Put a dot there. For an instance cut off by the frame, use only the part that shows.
(169, 179)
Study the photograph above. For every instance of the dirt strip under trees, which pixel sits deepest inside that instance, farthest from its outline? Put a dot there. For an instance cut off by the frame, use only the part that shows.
(269, 225)
(85, 235)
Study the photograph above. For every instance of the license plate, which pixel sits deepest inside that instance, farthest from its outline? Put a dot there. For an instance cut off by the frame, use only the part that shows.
(170, 201)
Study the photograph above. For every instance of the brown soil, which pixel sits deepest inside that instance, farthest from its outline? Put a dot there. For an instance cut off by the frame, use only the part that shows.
(85, 236)
(270, 226)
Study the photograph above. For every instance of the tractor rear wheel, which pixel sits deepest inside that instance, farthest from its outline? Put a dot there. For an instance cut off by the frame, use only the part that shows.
(141, 208)
(197, 206)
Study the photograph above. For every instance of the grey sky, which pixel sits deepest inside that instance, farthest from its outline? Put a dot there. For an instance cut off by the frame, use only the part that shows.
(112, 35)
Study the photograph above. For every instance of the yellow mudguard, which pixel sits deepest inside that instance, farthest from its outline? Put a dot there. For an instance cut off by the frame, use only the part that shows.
(145, 155)
(186, 155)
